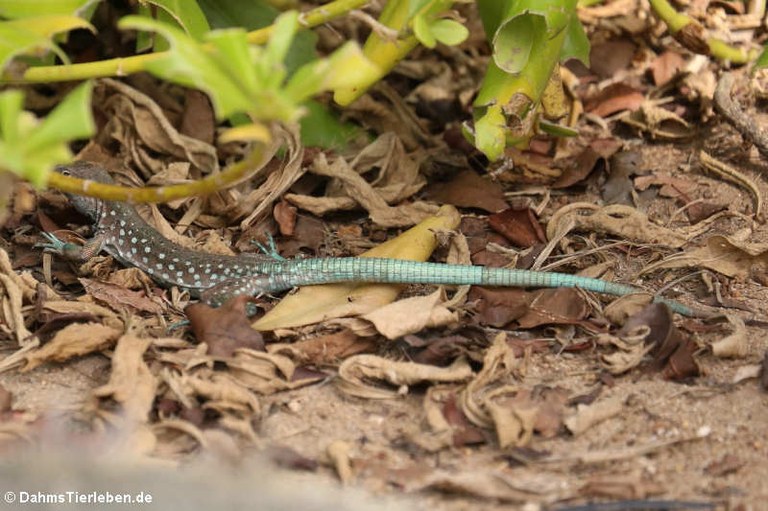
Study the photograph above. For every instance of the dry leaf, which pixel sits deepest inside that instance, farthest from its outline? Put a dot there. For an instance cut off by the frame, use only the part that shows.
(398, 179)
(588, 415)
(354, 372)
(735, 345)
(73, 341)
(131, 384)
(468, 189)
(731, 256)
(412, 315)
(224, 329)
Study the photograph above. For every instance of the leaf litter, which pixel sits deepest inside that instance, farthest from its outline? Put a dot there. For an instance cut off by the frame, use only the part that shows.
(472, 397)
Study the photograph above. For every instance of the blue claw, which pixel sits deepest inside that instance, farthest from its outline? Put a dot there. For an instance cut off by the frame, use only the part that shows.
(270, 250)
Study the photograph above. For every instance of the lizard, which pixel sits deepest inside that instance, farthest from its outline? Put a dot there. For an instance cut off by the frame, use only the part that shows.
(121, 232)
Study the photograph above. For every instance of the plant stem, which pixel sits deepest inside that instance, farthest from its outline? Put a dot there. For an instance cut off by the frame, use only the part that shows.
(692, 35)
(210, 184)
(134, 64)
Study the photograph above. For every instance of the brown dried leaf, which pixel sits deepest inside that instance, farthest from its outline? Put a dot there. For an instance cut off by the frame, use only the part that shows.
(731, 256)
(398, 180)
(197, 120)
(469, 190)
(140, 124)
(588, 415)
(285, 216)
(610, 57)
(580, 168)
(736, 344)
(520, 226)
(618, 187)
(412, 315)
(73, 341)
(617, 220)
(666, 66)
(224, 329)
(464, 432)
(326, 349)
(553, 307)
(614, 98)
(498, 307)
(354, 371)
(119, 297)
(131, 384)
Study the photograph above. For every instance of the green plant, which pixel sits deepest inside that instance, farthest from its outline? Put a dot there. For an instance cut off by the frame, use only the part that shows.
(265, 70)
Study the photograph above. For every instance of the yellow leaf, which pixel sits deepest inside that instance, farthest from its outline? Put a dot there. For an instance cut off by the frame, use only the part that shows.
(247, 132)
(313, 304)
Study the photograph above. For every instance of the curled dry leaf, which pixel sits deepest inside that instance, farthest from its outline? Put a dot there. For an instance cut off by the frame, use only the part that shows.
(222, 391)
(131, 384)
(615, 98)
(651, 330)
(224, 329)
(498, 366)
(412, 315)
(339, 452)
(15, 291)
(735, 345)
(354, 372)
(482, 484)
(325, 349)
(258, 204)
(659, 122)
(313, 304)
(73, 341)
(267, 373)
(732, 256)
(580, 168)
(398, 180)
(617, 220)
(120, 298)
(587, 416)
(141, 126)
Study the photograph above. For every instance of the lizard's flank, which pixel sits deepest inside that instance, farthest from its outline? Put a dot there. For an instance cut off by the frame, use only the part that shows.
(122, 233)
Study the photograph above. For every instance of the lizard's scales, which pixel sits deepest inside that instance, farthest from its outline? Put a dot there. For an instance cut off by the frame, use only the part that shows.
(122, 233)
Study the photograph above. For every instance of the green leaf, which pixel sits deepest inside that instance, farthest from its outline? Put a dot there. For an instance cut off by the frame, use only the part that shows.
(490, 133)
(30, 34)
(762, 60)
(187, 14)
(449, 32)
(576, 44)
(515, 40)
(345, 67)
(321, 128)
(29, 8)
(71, 119)
(255, 14)
(30, 148)
(189, 64)
(423, 32)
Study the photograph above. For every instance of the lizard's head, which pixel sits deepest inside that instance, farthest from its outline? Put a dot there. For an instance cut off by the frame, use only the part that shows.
(89, 206)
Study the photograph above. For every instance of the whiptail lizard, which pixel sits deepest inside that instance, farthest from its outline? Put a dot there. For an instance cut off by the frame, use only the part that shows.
(122, 233)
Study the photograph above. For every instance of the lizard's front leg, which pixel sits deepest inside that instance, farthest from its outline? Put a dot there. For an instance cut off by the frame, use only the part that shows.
(72, 251)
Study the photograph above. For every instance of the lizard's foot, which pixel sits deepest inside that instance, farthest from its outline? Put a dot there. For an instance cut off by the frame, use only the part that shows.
(61, 248)
(270, 250)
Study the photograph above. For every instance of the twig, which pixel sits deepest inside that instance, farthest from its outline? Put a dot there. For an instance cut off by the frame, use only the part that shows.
(734, 175)
(744, 124)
